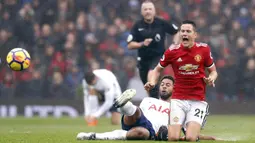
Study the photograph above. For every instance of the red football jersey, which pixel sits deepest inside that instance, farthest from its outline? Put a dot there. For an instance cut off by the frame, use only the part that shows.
(189, 69)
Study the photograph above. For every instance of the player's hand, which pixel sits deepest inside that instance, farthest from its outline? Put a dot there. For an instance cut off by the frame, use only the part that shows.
(147, 41)
(209, 81)
(148, 86)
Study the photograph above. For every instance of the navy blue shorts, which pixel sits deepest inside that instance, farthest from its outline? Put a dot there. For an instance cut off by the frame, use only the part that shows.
(141, 122)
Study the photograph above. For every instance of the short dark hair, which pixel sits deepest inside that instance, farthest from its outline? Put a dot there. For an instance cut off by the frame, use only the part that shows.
(167, 77)
(147, 1)
(89, 76)
(190, 22)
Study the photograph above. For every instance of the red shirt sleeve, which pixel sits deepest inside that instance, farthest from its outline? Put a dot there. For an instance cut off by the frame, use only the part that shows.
(208, 57)
(166, 58)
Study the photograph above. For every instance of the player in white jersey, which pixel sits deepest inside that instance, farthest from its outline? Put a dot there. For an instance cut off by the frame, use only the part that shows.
(146, 122)
(100, 85)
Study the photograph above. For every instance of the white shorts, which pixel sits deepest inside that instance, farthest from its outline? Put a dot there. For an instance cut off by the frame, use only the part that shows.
(184, 111)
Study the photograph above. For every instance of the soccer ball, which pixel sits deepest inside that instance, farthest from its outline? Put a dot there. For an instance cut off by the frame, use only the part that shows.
(18, 59)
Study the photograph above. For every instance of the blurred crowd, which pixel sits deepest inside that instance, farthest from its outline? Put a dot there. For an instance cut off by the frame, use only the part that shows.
(66, 37)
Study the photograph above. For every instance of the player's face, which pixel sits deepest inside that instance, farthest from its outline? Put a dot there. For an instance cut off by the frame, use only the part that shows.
(166, 88)
(148, 11)
(188, 35)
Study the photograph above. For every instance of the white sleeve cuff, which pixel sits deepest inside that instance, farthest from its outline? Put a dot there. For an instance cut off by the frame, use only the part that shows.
(211, 65)
(161, 65)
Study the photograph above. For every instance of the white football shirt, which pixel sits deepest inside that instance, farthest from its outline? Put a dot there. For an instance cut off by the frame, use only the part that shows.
(107, 85)
(156, 111)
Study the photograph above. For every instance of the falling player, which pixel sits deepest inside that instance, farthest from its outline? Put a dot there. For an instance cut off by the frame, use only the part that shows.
(189, 61)
(143, 122)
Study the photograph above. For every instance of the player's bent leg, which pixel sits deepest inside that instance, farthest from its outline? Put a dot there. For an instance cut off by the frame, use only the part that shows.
(193, 131)
(136, 126)
(177, 117)
(195, 119)
(130, 112)
(122, 102)
(138, 133)
(126, 96)
(116, 116)
(131, 120)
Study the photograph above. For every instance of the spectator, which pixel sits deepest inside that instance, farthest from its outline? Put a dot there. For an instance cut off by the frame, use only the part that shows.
(57, 87)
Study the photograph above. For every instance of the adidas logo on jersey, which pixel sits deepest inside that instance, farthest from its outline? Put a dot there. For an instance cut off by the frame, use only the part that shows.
(179, 60)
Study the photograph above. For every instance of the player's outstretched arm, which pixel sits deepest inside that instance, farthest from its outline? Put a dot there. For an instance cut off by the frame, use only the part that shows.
(156, 73)
(154, 78)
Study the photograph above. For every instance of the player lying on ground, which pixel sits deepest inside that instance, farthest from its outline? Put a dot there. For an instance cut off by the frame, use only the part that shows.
(143, 122)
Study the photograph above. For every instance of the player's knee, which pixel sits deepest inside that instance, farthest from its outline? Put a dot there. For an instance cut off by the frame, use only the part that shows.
(138, 133)
(129, 120)
(142, 134)
(173, 138)
(174, 132)
(191, 138)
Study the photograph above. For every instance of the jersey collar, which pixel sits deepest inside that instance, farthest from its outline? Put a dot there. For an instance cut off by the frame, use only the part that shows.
(188, 49)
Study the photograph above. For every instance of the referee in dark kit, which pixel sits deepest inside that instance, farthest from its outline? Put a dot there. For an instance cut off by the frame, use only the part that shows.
(148, 36)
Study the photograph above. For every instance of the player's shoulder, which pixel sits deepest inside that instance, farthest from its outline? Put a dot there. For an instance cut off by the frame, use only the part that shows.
(202, 45)
(102, 72)
(174, 47)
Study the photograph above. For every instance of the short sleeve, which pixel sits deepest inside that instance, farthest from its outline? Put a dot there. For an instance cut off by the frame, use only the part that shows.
(208, 57)
(166, 58)
(133, 34)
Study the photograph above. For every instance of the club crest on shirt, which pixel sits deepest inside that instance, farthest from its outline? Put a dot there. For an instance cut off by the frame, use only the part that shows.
(198, 58)
(176, 119)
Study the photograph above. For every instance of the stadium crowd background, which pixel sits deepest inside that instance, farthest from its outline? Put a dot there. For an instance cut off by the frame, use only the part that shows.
(64, 37)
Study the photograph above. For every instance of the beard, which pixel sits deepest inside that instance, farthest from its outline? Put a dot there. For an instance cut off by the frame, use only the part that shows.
(164, 95)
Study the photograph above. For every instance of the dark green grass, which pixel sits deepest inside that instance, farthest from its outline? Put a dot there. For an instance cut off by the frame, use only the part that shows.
(64, 130)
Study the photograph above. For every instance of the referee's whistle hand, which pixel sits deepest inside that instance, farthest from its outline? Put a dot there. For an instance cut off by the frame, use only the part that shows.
(148, 86)
(147, 41)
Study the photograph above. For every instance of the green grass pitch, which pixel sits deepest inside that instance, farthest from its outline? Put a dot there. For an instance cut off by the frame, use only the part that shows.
(64, 130)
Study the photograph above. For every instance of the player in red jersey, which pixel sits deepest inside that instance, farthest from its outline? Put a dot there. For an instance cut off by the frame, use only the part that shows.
(189, 61)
